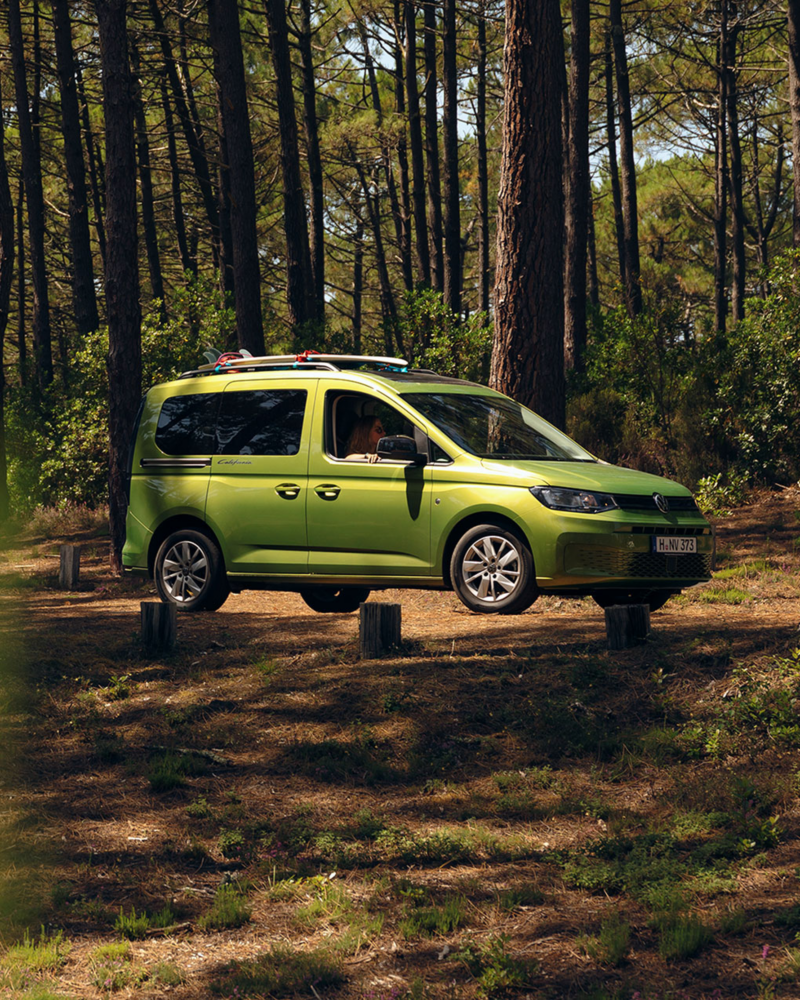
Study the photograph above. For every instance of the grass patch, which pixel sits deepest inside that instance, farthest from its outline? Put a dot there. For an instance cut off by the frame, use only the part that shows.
(281, 972)
(723, 595)
(523, 895)
(435, 921)
(612, 945)
(229, 909)
(134, 926)
(495, 971)
(112, 967)
(32, 958)
(682, 937)
(168, 770)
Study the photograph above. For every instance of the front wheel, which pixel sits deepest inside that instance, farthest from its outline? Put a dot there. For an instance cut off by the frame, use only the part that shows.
(655, 598)
(190, 572)
(492, 571)
(339, 600)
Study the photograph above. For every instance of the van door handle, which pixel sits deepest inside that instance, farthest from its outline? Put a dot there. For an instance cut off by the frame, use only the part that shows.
(327, 491)
(289, 491)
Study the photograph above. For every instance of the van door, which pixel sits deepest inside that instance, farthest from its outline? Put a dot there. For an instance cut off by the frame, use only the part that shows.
(364, 519)
(259, 476)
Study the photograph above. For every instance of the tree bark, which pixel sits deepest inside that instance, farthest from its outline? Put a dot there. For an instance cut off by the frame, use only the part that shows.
(528, 349)
(415, 139)
(146, 180)
(122, 267)
(299, 289)
(315, 179)
(794, 105)
(721, 179)
(737, 197)
(402, 149)
(22, 298)
(577, 203)
(434, 186)
(187, 262)
(84, 300)
(358, 281)
(6, 274)
(223, 19)
(484, 276)
(452, 210)
(32, 173)
(613, 168)
(633, 288)
(96, 170)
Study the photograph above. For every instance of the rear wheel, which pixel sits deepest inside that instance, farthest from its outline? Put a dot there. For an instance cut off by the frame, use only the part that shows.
(655, 598)
(340, 600)
(492, 571)
(190, 572)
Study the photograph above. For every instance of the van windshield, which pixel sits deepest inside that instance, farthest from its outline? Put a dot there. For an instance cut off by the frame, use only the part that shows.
(494, 426)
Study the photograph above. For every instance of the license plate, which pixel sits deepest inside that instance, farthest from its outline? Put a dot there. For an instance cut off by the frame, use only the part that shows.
(672, 546)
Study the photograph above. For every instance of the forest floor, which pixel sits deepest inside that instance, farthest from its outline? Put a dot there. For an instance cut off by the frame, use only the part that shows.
(505, 808)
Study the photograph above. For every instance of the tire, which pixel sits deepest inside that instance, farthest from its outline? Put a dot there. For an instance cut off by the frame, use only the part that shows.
(655, 598)
(337, 600)
(190, 572)
(492, 571)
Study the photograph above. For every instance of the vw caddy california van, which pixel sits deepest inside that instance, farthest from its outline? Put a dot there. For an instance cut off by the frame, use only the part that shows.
(241, 478)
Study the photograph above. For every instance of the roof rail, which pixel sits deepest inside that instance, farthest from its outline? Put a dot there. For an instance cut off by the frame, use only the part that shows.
(240, 361)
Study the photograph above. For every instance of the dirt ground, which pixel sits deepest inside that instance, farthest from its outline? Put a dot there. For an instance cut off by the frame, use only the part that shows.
(492, 756)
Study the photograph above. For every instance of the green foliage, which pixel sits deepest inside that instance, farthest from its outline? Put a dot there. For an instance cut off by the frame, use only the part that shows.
(33, 957)
(111, 967)
(229, 909)
(436, 338)
(612, 945)
(283, 971)
(430, 921)
(168, 770)
(714, 496)
(681, 936)
(522, 895)
(495, 970)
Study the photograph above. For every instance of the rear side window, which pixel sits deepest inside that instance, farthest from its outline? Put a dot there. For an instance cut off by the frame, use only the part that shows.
(186, 424)
(261, 422)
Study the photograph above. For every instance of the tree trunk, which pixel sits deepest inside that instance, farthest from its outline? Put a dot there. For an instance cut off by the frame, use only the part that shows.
(187, 262)
(721, 179)
(591, 249)
(146, 180)
(223, 19)
(434, 186)
(737, 198)
(227, 281)
(452, 211)
(794, 105)
(528, 349)
(358, 281)
(415, 138)
(299, 289)
(613, 169)
(633, 286)
(122, 268)
(484, 276)
(32, 173)
(577, 203)
(22, 298)
(84, 300)
(317, 233)
(96, 170)
(402, 150)
(6, 274)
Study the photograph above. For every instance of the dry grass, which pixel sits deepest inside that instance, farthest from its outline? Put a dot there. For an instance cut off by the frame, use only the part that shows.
(483, 815)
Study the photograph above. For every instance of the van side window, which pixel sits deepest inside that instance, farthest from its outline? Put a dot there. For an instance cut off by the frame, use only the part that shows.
(186, 424)
(261, 422)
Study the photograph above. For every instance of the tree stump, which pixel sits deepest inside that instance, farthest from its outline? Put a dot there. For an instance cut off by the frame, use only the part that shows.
(379, 629)
(627, 625)
(159, 625)
(70, 566)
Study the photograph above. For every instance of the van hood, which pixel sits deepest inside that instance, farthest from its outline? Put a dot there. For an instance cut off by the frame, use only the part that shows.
(584, 476)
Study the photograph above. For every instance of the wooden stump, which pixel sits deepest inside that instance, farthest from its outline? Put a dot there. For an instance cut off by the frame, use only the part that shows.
(159, 625)
(70, 566)
(627, 625)
(379, 629)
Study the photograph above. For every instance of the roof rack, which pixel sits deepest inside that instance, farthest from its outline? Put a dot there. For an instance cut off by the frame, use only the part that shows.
(241, 361)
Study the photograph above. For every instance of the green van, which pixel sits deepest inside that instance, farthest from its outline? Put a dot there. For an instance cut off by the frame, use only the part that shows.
(242, 477)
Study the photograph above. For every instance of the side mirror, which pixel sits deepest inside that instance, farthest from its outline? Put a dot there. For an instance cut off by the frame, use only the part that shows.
(399, 448)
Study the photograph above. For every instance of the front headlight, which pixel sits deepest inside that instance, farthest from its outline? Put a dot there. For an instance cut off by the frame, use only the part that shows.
(581, 501)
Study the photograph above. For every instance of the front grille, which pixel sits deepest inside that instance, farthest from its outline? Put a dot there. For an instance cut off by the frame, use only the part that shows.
(662, 529)
(597, 559)
(636, 502)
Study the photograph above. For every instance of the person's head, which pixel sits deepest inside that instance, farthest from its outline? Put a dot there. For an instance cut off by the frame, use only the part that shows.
(364, 438)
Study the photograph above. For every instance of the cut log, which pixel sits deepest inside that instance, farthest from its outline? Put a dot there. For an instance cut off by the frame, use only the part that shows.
(379, 629)
(69, 569)
(159, 625)
(627, 625)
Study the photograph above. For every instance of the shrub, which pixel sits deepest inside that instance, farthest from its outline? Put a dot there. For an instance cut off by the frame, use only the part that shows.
(229, 909)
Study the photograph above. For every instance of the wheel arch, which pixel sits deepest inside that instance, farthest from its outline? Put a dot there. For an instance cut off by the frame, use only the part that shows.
(471, 521)
(178, 523)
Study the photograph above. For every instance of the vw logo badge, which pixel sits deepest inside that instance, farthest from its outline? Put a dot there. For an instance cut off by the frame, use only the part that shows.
(661, 502)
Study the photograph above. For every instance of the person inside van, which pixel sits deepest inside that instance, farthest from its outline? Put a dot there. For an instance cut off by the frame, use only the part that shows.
(364, 438)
